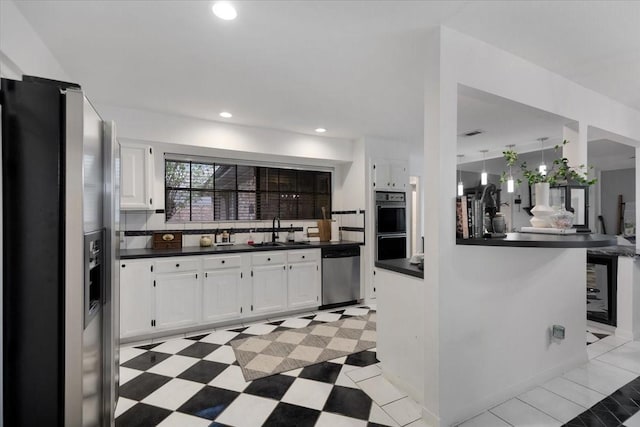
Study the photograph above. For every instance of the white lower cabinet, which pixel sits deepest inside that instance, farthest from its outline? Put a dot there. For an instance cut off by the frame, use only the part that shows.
(172, 293)
(136, 290)
(269, 288)
(372, 288)
(303, 278)
(176, 300)
(221, 294)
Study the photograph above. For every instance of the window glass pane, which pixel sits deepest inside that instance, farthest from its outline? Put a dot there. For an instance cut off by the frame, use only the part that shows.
(177, 206)
(225, 177)
(269, 205)
(268, 179)
(202, 176)
(246, 206)
(177, 174)
(287, 180)
(323, 182)
(306, 181)
(225, 205)
(202, 206)
(207, 191)
(247, 178)
(306, 206)
(322, 200)
(289, 206)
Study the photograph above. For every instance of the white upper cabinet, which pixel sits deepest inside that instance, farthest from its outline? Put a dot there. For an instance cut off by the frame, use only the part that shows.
(136, 184)
(390, 175)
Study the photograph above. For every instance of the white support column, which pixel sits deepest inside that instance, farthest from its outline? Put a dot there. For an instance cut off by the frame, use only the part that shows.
(439, 179)
(576, 150)
(637, 196)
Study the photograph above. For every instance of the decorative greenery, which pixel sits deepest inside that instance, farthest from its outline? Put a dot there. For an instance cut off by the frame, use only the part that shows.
(511, 157)
(560, 171)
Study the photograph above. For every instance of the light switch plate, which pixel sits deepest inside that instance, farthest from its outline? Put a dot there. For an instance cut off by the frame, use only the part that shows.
(557, 332)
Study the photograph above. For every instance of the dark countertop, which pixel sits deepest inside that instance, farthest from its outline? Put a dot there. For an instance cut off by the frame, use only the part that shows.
(532, 240)
(618, 250)
(402, 266)
(218, 250)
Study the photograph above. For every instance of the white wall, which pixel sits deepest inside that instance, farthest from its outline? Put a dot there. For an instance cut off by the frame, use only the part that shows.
(232, 141)
(481, 297)
(21, 49)
(400, 347)
(612, 184)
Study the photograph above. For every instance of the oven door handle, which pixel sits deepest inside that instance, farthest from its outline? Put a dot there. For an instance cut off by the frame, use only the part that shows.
(391, 236)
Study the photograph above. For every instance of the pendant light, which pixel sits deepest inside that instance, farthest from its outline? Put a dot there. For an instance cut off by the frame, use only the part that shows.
(460, 184)
(483, 175)
(510, 182)
(543, 167)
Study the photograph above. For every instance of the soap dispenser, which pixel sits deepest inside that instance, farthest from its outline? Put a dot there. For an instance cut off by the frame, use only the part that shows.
(291, 236)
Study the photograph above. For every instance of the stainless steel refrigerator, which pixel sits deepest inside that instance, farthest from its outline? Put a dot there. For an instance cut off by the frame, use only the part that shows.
(60, 236)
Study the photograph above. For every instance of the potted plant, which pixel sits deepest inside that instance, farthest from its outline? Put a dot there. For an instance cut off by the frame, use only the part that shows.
(560, 173)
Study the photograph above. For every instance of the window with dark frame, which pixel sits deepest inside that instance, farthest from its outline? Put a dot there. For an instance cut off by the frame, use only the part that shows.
(197, 191)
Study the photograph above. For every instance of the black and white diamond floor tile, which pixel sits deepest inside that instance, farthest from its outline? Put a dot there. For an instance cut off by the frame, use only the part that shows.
(195, 381)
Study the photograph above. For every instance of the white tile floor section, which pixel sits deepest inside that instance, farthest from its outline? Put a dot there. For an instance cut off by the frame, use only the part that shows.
(390, 406)
(613, 362)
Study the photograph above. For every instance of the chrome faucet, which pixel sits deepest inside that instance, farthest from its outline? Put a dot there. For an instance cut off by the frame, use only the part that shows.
(274, 237)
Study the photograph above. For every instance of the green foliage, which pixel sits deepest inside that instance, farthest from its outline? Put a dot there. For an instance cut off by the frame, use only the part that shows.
(510, 156)
(559, 173)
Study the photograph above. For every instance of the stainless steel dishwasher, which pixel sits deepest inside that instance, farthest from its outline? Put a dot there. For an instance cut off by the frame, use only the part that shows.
(340, 275)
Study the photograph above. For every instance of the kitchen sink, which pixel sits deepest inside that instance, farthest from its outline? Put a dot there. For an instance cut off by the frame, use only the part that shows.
(265, 244)
(293, 243)
(278, 244)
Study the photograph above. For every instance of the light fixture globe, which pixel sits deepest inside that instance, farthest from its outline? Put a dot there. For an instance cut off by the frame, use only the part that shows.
(224, 10)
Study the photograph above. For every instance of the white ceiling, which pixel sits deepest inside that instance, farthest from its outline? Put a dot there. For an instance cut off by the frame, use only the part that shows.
(507, 122)
(354, 67)
(503, 122)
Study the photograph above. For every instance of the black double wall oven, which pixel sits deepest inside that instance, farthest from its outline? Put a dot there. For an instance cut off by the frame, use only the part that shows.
(391, 225)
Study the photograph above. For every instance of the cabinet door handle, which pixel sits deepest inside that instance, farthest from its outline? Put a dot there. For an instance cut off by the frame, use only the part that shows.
(206, 275)
(302, 256)
(222, 261)
(124, 265)
(289, 267)
(177, 265)
(268, 259)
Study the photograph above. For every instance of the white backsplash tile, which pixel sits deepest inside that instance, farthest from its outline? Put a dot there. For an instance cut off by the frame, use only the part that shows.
(174, 226)
(193, 226)
(190, 240)
(156, 221)
(135, 221)
(138, 242)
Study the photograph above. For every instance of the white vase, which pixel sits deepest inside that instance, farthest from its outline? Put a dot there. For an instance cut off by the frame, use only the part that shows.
(542, 211)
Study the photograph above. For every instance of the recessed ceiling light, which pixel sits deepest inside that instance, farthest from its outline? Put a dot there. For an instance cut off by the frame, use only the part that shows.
(226, 115)
(321, 130)
(224, 10)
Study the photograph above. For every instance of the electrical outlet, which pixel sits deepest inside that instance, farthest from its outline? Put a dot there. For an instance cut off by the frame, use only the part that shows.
(557, 331)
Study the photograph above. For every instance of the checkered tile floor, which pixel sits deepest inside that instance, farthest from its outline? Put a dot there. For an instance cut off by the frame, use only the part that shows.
(196, 381)
(595, 335)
